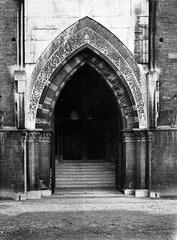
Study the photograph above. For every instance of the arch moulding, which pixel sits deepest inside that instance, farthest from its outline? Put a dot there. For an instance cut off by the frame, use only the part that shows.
(86, 32)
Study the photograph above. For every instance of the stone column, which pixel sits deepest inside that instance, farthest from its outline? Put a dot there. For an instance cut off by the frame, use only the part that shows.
(130, 162)
(136, 162)
(150, 138)
(142, 159)
(33, 161)
(45, 158)
(20, 78)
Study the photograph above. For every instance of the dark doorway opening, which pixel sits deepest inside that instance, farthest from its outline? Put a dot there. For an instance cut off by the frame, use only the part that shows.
(87, 118)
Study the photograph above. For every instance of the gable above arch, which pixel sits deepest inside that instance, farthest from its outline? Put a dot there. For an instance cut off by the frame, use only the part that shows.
(86, 32)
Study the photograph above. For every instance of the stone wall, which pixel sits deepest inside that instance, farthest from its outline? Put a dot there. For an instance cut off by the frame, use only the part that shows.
(8, 53)
(166, 56)
(164, 162)
(45, 23)
(11, 164)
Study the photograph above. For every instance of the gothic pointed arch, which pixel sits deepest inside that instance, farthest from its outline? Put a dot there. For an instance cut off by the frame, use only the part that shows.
(58, 58)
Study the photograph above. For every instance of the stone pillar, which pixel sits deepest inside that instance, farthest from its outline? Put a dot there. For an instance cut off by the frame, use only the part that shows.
(20, 78)
(130, 162)
(136, 162)
(142, 163)
(150, 138)
(45, 158)
(33, 161)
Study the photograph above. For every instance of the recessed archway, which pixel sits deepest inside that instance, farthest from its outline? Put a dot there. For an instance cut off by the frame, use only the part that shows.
(87, 119)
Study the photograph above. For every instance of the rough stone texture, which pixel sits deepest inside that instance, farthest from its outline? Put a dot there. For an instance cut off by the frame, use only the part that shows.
(11, 161)
(166, 59)
(8, 44)
(164, 163)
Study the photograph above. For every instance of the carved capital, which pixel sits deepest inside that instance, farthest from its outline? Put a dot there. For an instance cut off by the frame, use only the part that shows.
(134, 136)
(150, 136)
(33, 137)
(45, 137)
(24, 138)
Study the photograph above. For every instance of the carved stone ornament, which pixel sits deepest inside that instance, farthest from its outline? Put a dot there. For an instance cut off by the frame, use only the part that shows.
(125, 101)
(86, 32)
(33, 137)
(134, 136)
(45, 137)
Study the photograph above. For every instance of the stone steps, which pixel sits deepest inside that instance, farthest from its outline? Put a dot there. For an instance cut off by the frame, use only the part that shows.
(85, 174)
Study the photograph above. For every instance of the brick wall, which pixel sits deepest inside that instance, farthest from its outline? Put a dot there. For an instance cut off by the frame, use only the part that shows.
(11, 161)
(164, 162)
(166, 54)
(8, 35)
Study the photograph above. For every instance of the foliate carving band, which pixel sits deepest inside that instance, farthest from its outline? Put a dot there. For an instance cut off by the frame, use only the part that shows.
(134, 136)
(39, 136)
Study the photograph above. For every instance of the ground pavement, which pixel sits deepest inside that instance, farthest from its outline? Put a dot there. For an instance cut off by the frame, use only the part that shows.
(88, 218)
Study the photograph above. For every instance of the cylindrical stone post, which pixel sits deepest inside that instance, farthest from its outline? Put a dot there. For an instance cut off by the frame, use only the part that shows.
(45, 158)
(142, 164)
(33, 161)
(129, 152)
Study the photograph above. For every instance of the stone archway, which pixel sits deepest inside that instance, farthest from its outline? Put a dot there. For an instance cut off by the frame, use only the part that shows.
(87, 42)
(86, 32)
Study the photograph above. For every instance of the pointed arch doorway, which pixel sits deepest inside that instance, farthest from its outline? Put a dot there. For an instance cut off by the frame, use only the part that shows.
(88, 49)
(87, 119)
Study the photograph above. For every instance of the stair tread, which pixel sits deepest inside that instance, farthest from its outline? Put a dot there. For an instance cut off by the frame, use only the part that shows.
(84, 173)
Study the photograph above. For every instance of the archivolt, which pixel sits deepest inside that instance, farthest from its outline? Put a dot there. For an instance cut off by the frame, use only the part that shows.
(50, 93)
(86, 32)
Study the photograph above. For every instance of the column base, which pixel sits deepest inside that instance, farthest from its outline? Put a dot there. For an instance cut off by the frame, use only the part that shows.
(154, 194)
(38, 194)
(129, 191)
(142, 193)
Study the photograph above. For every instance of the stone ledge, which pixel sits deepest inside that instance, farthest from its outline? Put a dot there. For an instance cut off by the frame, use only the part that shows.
(10, 195)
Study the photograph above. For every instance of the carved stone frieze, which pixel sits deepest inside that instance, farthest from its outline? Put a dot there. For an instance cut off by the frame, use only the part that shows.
(45, 137)
(37, 136)
(150, 136)
(86, 31)
(134, 136)
(33, 137)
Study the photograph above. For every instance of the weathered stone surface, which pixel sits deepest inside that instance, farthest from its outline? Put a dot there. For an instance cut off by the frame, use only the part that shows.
(11, 161)
(43, 25)
(163, 162)
(8, 58)
(166, 32)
